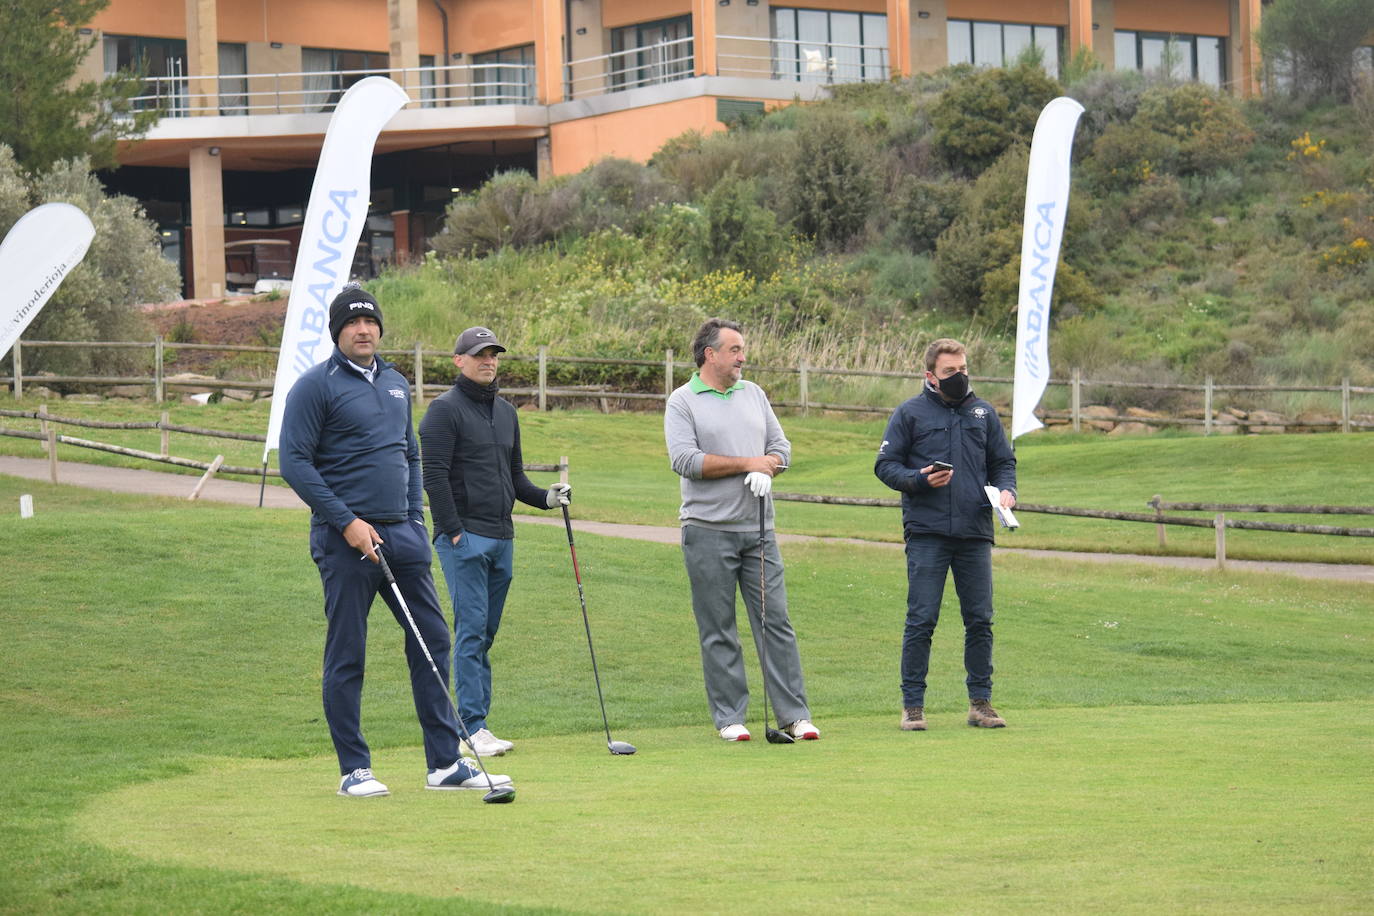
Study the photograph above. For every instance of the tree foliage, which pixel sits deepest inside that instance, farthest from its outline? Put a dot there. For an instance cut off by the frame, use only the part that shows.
(831, 184)
(1313, 42)
(977, 119)
(98, 299)
(46, 114)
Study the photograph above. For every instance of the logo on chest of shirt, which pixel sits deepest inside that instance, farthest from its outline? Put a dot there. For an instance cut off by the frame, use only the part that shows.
(396, 393)
(980, 412)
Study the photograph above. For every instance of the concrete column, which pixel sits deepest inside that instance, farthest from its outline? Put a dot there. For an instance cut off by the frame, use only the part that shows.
(929, 36)
(207, 223)
(1104, 39)
(403, 28)
(742, 58)
(1080, 26)
(594, 41)
(548, 50)
(899, 37)
(1245, 56)
(202, 56)
(704, 36)
(400, 222)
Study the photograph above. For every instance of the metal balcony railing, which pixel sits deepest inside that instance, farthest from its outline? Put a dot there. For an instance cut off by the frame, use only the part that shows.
(320, 90)
(801, 61)
(631, 68)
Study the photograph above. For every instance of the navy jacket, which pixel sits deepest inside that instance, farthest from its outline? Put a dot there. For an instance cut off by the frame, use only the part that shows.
(969, 436)
(348, 448)
(473, 466)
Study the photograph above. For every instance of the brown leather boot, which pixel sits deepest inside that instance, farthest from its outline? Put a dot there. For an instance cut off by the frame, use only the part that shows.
(913, 718)
(982, 715)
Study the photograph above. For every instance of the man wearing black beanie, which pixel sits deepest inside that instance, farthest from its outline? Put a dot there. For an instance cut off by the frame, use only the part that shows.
(348, 448)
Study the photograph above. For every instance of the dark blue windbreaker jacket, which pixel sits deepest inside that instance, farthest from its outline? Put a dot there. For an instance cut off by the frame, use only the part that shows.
(348, 448)
(969, 436)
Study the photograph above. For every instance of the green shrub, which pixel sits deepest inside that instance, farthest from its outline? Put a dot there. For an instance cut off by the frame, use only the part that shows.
(695, 162)
(924, 209)
(1125, 155)
(739, 233)
(511, 209)
(831, 185)
(1207, 123)
(978, 118)
(617, 193)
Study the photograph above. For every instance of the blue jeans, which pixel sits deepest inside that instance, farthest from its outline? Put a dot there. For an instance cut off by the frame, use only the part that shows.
(929, 558)
(478, 571)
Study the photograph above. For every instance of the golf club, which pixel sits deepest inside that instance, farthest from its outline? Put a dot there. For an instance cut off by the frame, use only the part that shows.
(620, 748)
(495, 796)
(774, 736)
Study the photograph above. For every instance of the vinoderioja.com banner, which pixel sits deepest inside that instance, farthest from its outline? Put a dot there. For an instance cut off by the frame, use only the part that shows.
(36, 256)
(1047, 202)
(334, 221)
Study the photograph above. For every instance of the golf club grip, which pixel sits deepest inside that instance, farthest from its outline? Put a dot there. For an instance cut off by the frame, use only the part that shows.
(381, 560)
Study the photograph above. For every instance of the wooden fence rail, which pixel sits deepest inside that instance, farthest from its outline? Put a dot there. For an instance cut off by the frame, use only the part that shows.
(672, 369)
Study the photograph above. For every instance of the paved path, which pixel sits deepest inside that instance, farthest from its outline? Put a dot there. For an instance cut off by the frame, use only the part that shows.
(160, 483)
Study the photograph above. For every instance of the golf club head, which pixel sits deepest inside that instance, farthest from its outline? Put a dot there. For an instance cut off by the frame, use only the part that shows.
(620, 748)
(777, 737)
(502, 796)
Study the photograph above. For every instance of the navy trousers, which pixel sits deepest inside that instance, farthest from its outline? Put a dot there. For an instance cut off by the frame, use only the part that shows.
(351, 582)
(929, 559)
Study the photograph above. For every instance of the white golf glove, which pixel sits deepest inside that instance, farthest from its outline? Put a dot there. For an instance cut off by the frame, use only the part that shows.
(759, 483)
(560, 494)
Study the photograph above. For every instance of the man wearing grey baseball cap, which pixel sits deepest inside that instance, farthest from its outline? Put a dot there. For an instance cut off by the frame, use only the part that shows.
(474, 472)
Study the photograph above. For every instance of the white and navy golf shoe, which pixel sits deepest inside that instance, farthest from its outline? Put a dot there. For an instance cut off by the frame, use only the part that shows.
(464, 775)
(361, 784)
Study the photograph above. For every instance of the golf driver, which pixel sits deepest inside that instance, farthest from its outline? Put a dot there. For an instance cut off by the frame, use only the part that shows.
(495, 796)
(621, 748)
(774, 735)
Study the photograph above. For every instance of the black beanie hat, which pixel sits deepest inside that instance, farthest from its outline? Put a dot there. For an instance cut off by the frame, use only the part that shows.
(352, 301)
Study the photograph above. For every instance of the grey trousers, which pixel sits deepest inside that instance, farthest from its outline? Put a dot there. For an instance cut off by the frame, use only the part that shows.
(717, 562)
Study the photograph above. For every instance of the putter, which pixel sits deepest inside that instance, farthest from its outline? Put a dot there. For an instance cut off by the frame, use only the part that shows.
(774, 735)
(619, 748)
(495, 796)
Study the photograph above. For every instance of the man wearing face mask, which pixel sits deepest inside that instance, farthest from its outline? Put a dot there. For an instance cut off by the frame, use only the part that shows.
(946, 521)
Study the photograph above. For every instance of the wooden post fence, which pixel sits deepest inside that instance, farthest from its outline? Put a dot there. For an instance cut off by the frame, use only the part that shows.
(543, 377)
(18, 369)
(419, 373)
(158, 390)
(667, 373)
(1077, 400)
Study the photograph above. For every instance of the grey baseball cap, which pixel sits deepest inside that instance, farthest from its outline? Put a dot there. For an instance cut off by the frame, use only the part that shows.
(474, 340)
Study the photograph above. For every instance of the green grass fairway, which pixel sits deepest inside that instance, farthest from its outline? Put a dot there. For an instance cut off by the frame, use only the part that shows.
(1182, 742)
(1069, 810)
(621, 474)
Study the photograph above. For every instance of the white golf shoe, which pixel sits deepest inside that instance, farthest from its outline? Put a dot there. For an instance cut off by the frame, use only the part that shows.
(486, 744)
(803, 730)
(735, 732)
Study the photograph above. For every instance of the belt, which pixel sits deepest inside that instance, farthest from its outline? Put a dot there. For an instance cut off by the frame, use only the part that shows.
(374, 522)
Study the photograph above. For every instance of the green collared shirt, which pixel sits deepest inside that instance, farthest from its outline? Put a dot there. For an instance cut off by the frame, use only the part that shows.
(697, 386)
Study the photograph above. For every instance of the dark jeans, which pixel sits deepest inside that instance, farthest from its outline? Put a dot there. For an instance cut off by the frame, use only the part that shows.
(929, 557)
(350, 585)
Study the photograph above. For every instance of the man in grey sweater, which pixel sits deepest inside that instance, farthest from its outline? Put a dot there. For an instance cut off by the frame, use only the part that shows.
(726, 445)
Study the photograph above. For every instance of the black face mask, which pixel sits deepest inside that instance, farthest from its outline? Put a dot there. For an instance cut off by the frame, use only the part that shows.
(954, 387)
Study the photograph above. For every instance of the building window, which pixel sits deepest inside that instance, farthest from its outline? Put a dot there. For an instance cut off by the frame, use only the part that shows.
(328, 72)
(504, 77)
(233, 81)
(652, 52)
(1182, 57)
(820, 46)
(997, 44)
(162, 62)
(428, 95)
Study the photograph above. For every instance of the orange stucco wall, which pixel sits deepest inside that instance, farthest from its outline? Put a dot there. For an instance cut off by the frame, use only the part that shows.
(615, 13)
(853, 6)
(1038, 12)
(355, 25)
(1187, 17)
(489, 25)
(636, 134)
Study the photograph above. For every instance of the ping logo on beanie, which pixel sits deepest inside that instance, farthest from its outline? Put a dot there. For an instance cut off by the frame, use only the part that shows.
(351, 302)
